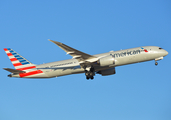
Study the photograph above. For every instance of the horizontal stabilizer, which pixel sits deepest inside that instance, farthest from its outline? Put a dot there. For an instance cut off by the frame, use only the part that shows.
(13, 70)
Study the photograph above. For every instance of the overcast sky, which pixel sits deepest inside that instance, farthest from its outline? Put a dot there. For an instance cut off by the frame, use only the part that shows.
(136, 92)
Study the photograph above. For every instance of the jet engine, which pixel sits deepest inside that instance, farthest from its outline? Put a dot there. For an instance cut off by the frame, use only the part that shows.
(107, 61)
(106, 72)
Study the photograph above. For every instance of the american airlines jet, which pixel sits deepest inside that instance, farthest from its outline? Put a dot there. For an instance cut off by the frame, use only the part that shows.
(81, 62)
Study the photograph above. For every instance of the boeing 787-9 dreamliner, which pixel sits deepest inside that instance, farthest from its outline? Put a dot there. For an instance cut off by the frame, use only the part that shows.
(81, 62)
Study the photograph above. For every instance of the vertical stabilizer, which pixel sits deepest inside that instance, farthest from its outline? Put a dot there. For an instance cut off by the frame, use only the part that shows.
(19, 62)
(23, 67)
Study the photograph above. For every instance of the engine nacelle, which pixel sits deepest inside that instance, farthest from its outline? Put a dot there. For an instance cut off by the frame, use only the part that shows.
(107, 61)
(106, 72)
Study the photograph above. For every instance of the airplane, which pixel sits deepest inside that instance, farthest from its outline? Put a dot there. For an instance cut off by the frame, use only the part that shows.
(81, 62)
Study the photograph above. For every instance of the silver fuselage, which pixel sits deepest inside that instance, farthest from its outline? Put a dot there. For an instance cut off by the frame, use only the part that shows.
(122, 57)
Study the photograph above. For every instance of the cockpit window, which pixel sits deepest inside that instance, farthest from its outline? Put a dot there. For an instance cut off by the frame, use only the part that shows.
(160, 48)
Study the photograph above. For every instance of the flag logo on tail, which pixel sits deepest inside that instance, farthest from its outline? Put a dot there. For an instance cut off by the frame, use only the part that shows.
(20, 63)
(17, 60)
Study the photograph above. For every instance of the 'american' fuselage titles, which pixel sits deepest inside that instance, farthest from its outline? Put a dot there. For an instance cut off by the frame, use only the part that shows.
(128, 53)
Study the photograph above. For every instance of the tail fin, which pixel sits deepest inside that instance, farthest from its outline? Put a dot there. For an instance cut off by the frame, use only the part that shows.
(19, 62)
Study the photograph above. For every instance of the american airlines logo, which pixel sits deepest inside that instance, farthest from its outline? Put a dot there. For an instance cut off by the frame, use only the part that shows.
(144, 49)
(128, 53)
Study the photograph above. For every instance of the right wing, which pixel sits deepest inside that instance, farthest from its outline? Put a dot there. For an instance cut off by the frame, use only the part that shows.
(83, 58)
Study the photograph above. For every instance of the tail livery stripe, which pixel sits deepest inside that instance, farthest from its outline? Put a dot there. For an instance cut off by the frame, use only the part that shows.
(20, 63)
(17, 64)
(9, 54)
(30, 73)
(13, 62)
(26, 68)
(5, 49)
(16, 59)
(13, 59)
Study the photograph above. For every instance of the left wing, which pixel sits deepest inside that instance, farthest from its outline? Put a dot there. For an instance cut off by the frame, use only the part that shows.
(82, 57)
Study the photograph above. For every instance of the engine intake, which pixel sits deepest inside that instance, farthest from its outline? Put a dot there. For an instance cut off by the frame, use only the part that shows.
(107, 61)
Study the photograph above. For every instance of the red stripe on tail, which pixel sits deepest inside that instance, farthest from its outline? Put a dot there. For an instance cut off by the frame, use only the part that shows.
(5, 49)
(26, 68)
(13, 59)
(30, 73)
(9, 54)
(17, 64)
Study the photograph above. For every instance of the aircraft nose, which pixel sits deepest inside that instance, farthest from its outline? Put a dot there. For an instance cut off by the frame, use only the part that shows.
(165, 53)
